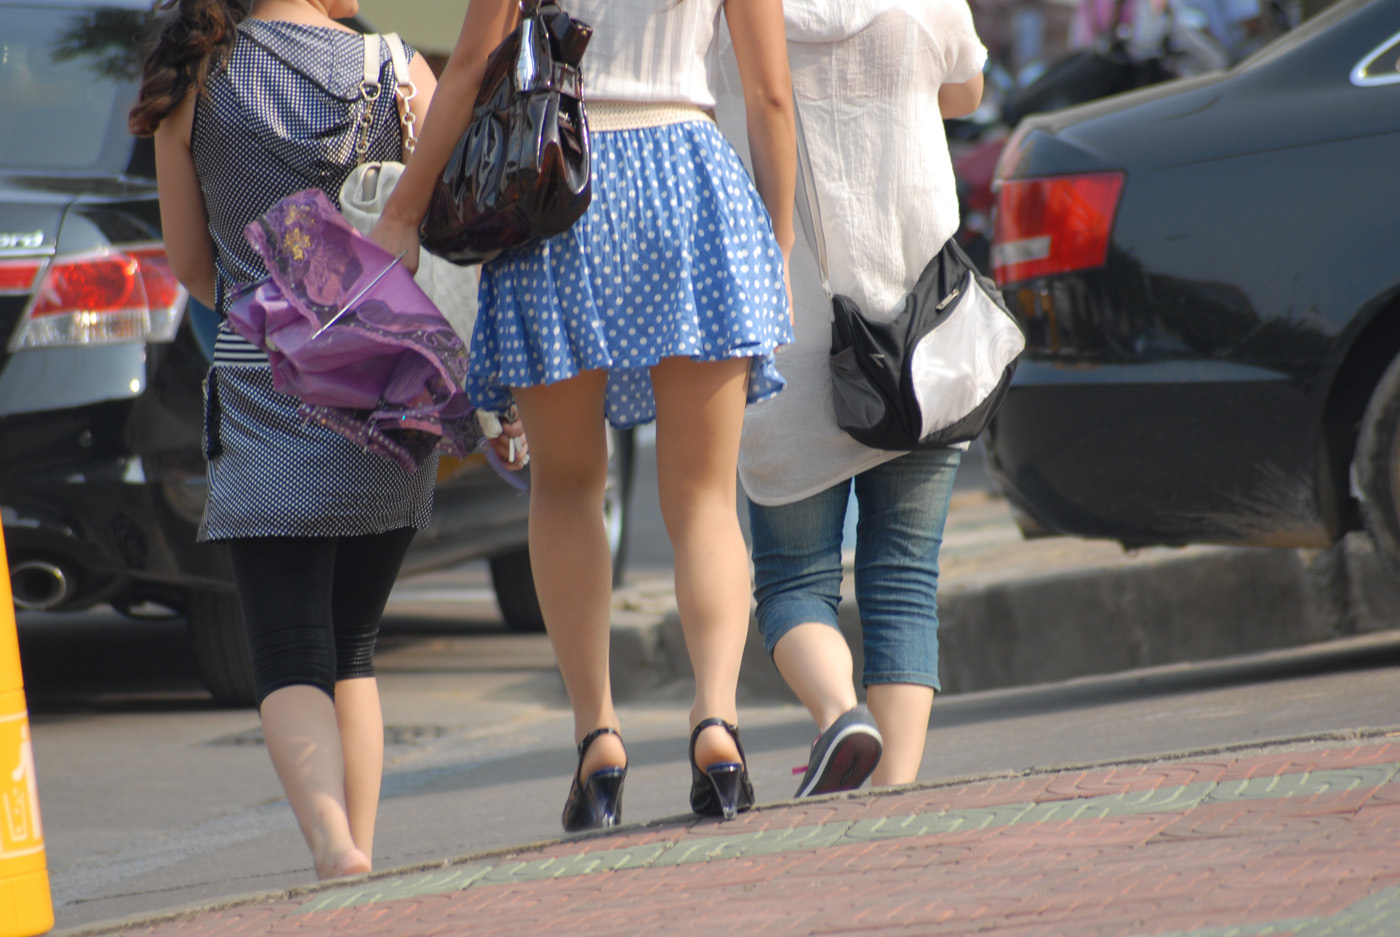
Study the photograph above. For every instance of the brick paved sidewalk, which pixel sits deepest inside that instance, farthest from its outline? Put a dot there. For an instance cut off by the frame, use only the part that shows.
(1298, 841)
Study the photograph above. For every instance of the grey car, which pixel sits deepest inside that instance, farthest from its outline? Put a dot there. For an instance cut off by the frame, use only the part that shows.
(101, 473)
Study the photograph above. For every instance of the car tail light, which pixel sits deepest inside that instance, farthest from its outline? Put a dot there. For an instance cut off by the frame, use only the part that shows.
(1053, 225)
(126, 294)
(17, 276)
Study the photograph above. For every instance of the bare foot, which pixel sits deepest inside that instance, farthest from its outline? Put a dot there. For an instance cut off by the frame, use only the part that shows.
(343, 865)
(605, 752)
(714, 746)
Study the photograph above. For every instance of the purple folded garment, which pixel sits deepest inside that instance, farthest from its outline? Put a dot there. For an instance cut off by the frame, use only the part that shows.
(351, 335)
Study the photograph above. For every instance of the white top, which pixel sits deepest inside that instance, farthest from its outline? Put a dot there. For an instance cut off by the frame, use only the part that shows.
(866, 75)
(649, 50)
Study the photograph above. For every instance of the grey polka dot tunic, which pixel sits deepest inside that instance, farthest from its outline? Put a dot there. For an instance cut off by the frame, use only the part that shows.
(280, 117)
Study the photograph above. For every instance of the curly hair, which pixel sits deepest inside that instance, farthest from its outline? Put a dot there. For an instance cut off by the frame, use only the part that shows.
(189, 46)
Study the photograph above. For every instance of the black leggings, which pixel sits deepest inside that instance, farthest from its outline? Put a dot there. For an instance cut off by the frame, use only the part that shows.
(311, 605)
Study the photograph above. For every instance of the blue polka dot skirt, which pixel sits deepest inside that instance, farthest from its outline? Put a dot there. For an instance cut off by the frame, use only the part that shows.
(674, 257)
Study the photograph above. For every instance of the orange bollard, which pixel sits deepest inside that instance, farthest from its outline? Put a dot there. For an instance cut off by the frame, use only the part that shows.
(26, 906)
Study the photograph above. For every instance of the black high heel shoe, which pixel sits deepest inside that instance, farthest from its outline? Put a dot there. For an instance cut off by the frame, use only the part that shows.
(596, 803)
(723, 788)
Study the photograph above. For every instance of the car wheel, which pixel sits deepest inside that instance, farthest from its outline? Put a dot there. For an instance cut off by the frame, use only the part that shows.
(220, 647)
(1376, 468)
(511, 574)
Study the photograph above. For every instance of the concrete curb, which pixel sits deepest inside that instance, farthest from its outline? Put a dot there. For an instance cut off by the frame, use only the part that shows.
(1016, 612)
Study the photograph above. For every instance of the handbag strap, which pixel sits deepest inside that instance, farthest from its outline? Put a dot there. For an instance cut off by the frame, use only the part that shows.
(404, 92)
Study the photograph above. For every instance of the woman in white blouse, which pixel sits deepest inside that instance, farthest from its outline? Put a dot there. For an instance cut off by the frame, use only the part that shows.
(873, 81)
(666, 301)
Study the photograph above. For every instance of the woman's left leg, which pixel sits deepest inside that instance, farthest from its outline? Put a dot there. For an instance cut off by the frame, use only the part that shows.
(569, 553)
(699, 416)
(313, 607)
(366, 569)
(303, 739)
(285, 585)
(903, 506)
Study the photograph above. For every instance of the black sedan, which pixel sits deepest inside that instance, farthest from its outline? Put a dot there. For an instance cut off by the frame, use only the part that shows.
(101, 473)
(1207, 275)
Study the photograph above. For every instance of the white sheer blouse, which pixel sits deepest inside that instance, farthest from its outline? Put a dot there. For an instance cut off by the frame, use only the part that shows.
(878, 175)
(650, 50)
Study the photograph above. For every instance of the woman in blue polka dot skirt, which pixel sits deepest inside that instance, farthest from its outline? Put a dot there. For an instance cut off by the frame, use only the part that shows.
(665, 301)
(249, 103)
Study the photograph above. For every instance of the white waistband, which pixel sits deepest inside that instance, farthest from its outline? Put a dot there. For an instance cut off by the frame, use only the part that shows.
(634, 115)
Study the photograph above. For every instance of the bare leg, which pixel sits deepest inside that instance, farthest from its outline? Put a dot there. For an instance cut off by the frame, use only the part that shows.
(569, 546)
(815, 660)
(303, 738)
(699, 415)
(901, 712)
(361, 724)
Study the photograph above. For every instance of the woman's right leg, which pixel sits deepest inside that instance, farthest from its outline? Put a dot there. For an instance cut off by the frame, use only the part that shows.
(284, 586)
(797, 583)
(797, 570)
(815, 662)
(569, 547)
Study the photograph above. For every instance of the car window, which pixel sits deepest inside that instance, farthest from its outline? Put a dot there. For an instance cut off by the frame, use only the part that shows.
(1381, 67)
(67, 78)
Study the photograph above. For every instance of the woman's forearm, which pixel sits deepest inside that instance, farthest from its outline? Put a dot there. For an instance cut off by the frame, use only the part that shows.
(760, 51)
(447, 119)
(486, 23)
(772, 131)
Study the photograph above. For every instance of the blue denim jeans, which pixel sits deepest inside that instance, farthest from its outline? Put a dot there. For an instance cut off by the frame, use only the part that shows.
(902, 506)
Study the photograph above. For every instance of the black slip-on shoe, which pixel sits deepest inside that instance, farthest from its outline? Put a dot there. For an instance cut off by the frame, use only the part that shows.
(844, 755)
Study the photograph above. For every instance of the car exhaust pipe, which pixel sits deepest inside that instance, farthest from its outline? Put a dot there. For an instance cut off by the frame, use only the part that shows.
(37, 586)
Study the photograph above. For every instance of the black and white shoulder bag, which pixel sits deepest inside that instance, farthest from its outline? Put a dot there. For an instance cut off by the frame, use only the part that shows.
(933, 375)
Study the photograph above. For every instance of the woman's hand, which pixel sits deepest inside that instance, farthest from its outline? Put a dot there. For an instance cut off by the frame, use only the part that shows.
(511, 445)
(506, 435)
(395, 236)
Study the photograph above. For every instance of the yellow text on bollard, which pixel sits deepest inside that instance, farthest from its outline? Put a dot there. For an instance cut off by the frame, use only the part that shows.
(26, 905)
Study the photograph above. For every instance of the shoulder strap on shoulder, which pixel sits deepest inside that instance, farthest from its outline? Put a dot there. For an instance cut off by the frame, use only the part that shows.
(399, 54)
(404, 89)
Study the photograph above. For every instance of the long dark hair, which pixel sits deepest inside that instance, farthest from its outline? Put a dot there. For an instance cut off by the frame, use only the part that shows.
(193, 41)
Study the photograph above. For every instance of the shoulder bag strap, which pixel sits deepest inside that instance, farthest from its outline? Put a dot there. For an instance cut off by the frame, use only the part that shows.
(369, 93)
(404, 91)
(809, 208)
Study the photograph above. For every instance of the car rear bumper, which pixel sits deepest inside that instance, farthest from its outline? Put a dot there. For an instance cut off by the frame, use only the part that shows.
(113, 533)
(107, 488)
(1159, 453)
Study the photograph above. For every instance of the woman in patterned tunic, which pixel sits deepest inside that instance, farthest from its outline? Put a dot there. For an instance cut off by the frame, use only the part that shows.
(665, 301)
(249, 104)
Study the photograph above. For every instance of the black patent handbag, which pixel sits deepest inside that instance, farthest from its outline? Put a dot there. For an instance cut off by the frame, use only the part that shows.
(521, 171)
